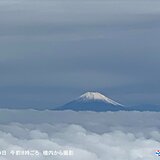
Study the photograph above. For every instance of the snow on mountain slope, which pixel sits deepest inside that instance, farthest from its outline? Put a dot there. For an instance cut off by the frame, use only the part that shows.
(95, 96)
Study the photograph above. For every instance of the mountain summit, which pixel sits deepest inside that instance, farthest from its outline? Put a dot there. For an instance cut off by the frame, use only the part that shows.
(95, 96)
(92, 101)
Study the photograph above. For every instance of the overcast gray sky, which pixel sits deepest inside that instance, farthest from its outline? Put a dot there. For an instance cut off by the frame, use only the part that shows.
(51, 51)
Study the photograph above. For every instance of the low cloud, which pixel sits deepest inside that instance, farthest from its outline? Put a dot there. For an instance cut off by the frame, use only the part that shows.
(92, 136)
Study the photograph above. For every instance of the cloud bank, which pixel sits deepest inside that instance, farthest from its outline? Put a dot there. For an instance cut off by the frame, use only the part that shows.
(92, 136)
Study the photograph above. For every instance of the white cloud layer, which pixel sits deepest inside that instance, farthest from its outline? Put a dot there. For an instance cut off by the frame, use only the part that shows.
(92, 136)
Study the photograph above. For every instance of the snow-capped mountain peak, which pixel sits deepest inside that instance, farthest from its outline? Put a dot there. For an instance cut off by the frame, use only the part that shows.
(95, 96)
(92, 101)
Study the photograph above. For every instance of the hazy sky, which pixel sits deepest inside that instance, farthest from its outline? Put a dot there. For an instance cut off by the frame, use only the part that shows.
(51, 51)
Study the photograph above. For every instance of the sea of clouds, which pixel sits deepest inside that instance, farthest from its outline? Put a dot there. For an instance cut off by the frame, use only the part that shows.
(90, 135)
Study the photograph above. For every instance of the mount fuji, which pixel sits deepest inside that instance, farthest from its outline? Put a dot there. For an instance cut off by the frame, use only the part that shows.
(92, 101)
